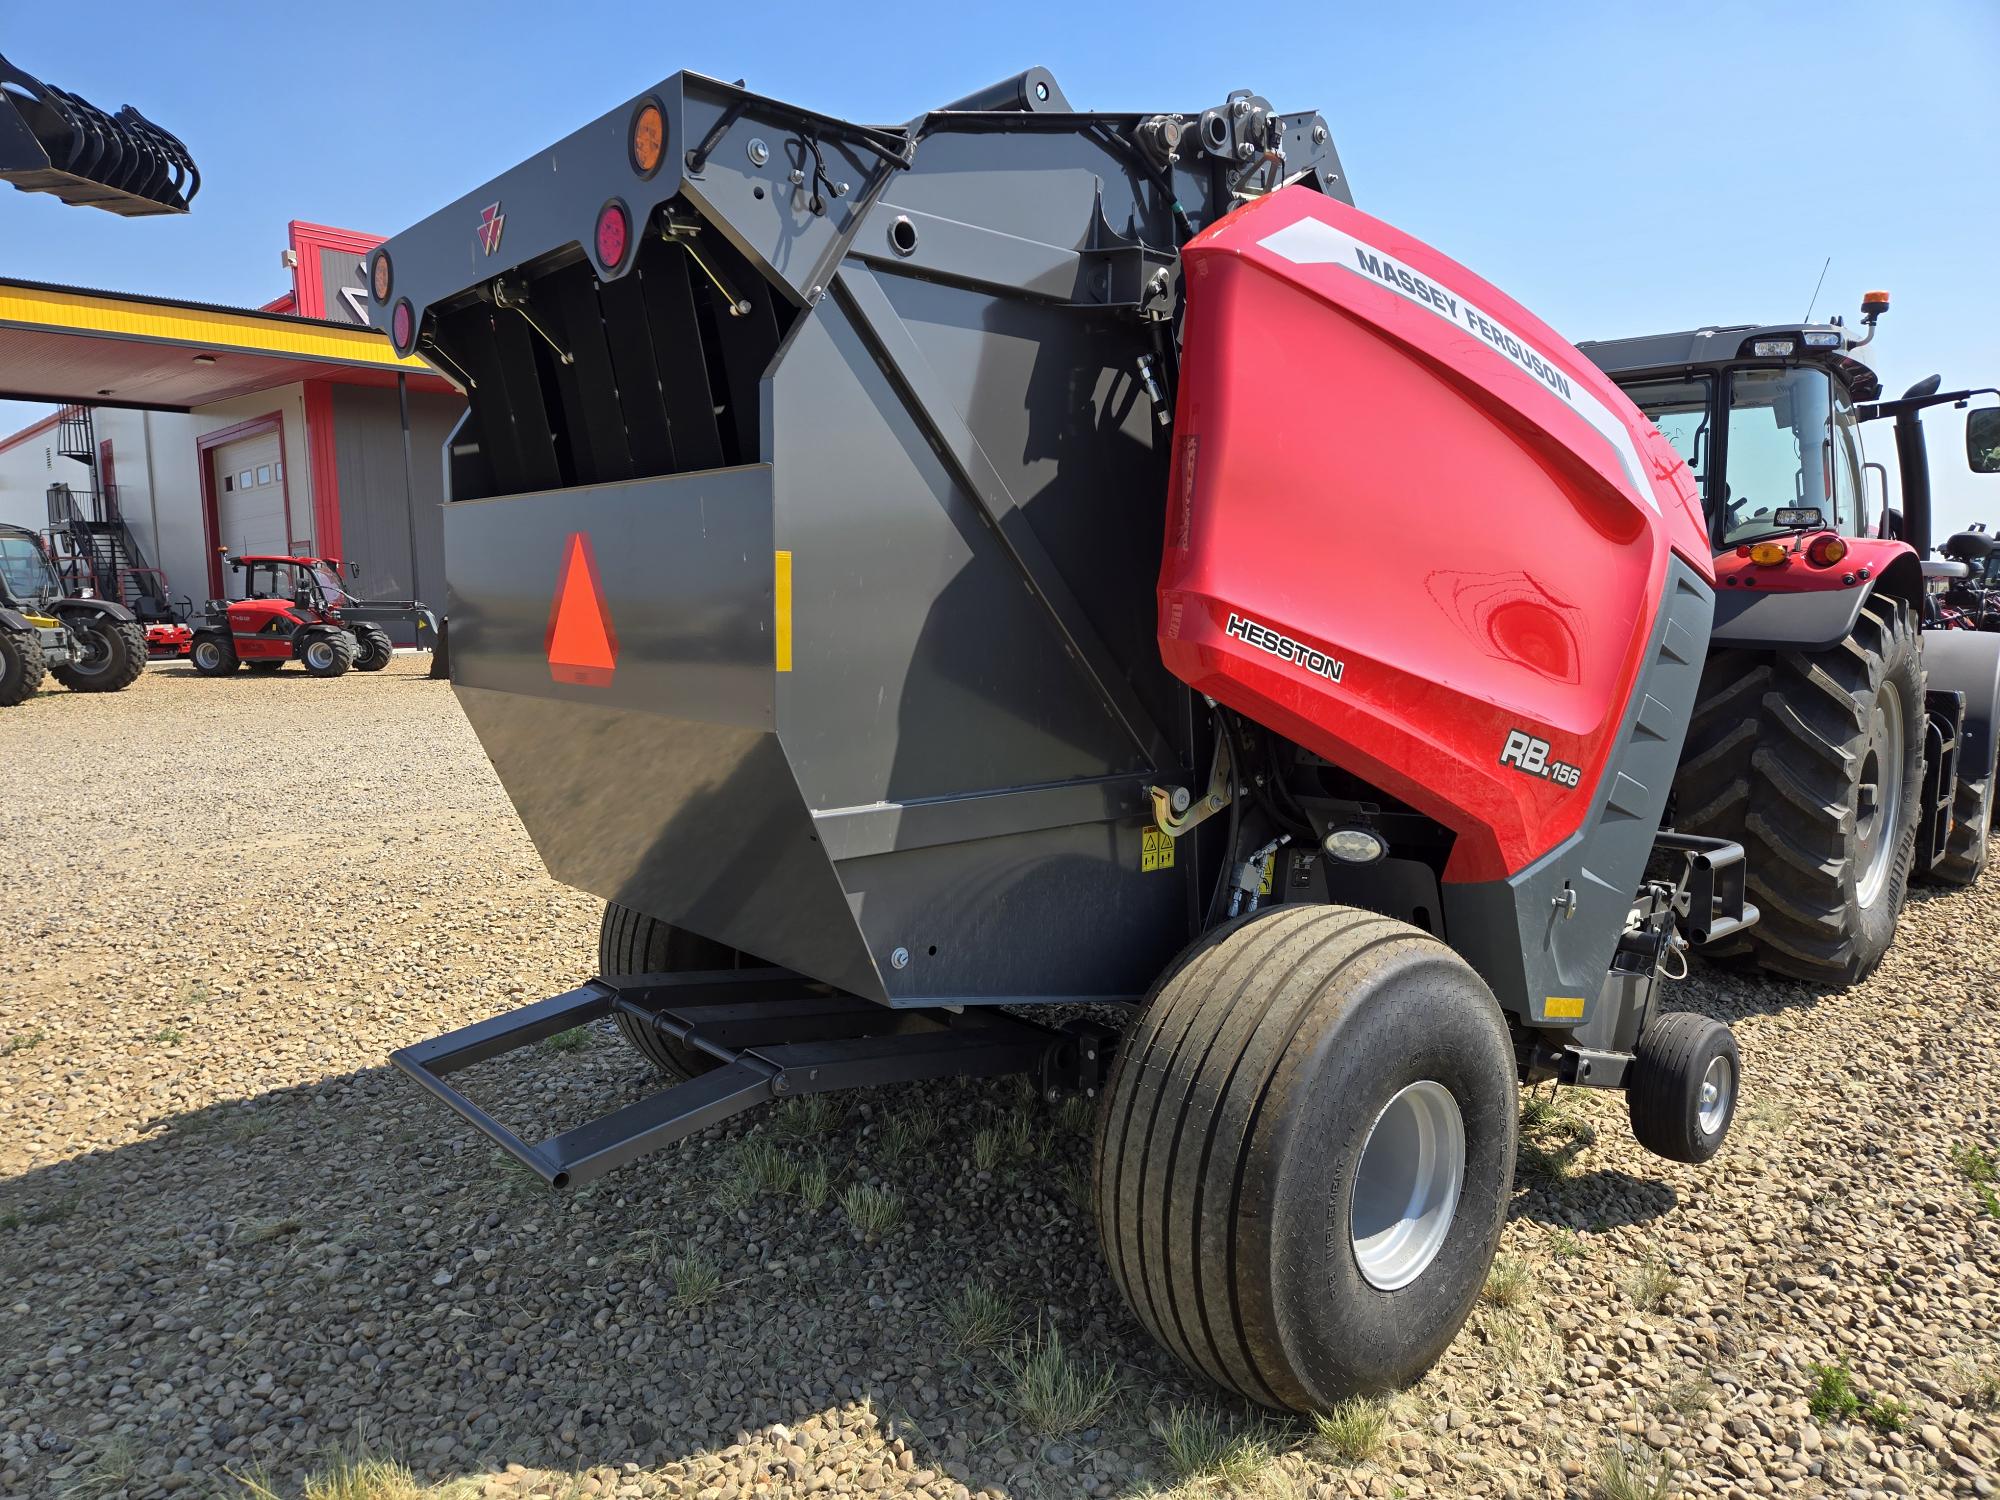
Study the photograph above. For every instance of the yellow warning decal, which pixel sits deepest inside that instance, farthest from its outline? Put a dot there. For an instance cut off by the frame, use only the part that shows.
(1563, 1008)
(781, 592)
(1264, 884)
(1156, 850)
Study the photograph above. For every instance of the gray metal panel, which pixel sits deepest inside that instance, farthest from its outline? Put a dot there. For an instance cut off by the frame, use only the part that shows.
(1968, 662)
(375, 516)
(1773, 621)
(1512, 930)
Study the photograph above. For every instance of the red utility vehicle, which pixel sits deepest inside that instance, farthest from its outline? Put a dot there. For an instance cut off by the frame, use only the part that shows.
(296, 608)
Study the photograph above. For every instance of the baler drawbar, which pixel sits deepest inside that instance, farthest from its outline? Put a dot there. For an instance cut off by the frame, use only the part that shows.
(1034, 557)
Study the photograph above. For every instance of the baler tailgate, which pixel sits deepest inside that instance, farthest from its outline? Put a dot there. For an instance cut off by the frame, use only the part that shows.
(774, 1033)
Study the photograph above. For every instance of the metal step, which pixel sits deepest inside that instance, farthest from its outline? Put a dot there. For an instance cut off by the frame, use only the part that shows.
(774, 1034)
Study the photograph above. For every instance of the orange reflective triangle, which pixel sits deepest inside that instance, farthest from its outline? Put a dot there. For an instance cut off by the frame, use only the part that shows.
(581, 644)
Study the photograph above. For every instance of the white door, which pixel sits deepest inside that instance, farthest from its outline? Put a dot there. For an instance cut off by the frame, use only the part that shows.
(250, 502)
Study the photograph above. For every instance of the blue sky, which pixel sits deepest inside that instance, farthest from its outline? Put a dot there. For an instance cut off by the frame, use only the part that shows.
(1618, 168)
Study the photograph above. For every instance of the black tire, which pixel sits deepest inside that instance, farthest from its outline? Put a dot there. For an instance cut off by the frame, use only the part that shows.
(113, 654)
(329, 654)
(1971, 822)
(1230, 1143)
(1663, 1091)
(630, 942)
(265, 668)
(1776, 756)
(22, 666)
(375, 651)
(213, 654)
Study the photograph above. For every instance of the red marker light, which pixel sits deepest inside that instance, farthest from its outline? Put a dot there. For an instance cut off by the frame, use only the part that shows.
(1825, 551)
(614, 234)
(403, 326)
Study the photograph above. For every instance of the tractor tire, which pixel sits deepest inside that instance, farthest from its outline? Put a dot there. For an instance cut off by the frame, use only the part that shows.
(376, 649)
(1305, 1153)
(22, 666)
(116, 651)
(1971, 821)
(328, 655)
(1681, 1092)
(213, 655)
(1813, 761)
(630, 942)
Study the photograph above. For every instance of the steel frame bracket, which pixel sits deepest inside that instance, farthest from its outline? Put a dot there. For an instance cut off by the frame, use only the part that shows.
(1174, 812)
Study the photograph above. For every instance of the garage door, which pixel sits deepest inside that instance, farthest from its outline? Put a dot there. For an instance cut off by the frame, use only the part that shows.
(250, 501)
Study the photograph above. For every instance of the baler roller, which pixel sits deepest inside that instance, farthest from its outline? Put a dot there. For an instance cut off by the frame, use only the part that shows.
(52, 141)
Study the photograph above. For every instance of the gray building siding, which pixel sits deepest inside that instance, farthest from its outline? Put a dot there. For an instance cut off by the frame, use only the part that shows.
(378, 499)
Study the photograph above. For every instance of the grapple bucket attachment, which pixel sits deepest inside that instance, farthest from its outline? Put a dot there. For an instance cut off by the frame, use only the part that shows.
(51, 141)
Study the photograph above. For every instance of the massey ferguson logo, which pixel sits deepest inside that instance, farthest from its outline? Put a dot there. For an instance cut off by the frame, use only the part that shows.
(491, 222)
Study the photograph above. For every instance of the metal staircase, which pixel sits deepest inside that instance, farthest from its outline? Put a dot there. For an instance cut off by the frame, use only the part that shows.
(88, 540)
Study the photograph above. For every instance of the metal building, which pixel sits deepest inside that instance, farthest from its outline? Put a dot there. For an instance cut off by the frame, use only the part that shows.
(185, 431)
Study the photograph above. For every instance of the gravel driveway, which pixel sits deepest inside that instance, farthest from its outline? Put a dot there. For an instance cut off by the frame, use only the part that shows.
(237, 1250)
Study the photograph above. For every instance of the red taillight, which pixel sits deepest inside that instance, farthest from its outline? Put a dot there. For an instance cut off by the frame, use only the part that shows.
(403, 326)
(1825, 551)
(614, 235)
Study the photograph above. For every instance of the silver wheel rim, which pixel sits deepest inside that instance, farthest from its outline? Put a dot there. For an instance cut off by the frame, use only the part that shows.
(208, 654)
(1879, 798)
(1718, 1087)
(1407, 1185)
(319, 654)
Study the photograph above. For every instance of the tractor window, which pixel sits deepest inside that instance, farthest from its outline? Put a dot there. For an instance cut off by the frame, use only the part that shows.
(1779, 453)
(329, 585)
(26, 570)
(1679, 408)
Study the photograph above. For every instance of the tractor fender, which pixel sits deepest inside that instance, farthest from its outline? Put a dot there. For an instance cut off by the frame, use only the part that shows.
(1968, 662)
(108, 609)
(313, 631)
(1807, 620)
(11, 619)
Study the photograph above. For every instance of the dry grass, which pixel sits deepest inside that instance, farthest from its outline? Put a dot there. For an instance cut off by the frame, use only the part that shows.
(1652, 1284)
(1054, 1392)
(1641, 1475)
(1508, 1284)
(361, 1477)
(873, 1211)
(1203, 1443)
(977, 1317)
(1355, 1430)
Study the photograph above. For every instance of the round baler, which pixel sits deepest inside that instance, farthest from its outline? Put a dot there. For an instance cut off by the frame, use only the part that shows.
(926, 579)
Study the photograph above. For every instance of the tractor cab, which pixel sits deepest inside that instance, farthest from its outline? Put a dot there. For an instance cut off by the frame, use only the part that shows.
(306, 582)
(28, 581)
(1768, 418)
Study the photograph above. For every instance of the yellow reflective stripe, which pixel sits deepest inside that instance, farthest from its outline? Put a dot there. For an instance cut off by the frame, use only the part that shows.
(781, 592)
(246, 332)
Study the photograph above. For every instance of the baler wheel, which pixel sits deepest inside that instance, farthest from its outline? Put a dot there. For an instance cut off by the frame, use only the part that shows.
(1305, 1154)
(22, 666)
(376, 652)
(115, 652)
(630, 942)
(1971, 822)
(213, 654)
(329, 655)
(1813, 761)
(1684, 1083)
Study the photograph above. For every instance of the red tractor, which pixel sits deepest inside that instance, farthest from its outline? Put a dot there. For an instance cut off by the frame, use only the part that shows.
(296, 608)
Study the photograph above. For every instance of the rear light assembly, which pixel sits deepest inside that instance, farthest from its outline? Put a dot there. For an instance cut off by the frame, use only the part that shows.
(1765, 554)
(381, 277)
(646, 139)
(1825, 551)
(403, 326)
(614, 235)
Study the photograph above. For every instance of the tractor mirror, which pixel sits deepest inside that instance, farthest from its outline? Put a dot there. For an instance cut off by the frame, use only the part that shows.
(1891, 528)
(1982, 440)
(354, 570)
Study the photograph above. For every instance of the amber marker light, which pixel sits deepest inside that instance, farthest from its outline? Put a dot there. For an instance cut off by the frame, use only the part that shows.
(648, 137)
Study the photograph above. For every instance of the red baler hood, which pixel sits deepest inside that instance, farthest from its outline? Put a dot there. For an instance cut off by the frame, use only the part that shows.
(1408, 520)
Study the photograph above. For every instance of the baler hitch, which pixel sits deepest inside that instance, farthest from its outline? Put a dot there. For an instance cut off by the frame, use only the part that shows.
(773, 1034)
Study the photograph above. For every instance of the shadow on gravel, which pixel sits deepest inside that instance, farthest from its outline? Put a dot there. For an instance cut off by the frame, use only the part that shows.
(263, 1280)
